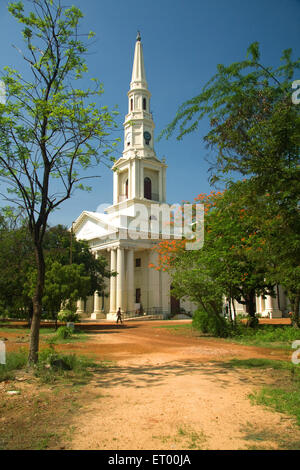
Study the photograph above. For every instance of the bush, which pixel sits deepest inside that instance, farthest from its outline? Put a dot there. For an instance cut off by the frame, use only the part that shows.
(215, 325)
(64, 332)
(14, 361)
(68, 316)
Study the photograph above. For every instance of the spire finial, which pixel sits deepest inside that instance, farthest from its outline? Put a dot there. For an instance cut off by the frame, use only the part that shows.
(138, 38)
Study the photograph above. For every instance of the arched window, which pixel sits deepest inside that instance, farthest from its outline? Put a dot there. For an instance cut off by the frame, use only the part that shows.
(144, 104)
(131, 104)
(147, 188)
(126, 189)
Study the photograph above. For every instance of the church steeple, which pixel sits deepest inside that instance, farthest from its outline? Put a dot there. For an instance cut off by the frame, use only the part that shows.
(139, 125)
(138, 78)
(139, 174)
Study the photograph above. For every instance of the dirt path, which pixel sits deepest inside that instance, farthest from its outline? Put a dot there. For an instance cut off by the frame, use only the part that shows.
(167, 391)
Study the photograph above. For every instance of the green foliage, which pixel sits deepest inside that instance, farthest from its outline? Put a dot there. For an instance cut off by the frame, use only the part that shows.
(265, 335)
(67, 315)
(254, 131)
(285, 399)
(212, 324)
(64, 332)
(280, 399)
(254, 124)
(51, 130)
(260, 363)
(14, 361)
(53, 367)
(62, 281)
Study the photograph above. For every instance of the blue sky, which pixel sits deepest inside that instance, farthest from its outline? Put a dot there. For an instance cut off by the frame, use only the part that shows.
(183, 41)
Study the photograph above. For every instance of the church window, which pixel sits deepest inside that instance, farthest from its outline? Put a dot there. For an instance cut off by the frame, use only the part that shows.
(131, 104)
(126, 189)
(138, 296)
(147, 188)
(138, 262)
(144, 104)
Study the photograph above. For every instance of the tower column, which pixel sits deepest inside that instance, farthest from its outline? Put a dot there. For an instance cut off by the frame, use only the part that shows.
(269, 308)
(113, 267)
(130, 280)
(120, 279)
(153, 279)
(98, 312)
(80, 307)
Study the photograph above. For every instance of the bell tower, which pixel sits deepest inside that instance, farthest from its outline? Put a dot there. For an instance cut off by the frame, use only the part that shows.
(139, 174)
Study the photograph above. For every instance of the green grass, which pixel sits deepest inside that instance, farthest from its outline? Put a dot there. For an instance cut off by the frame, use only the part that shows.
(14, 361)
(178, 329)
(48, 335)
(285, 399)
(263, 364)
(195, 439)
(280, 399)
(55, 338)
(80, 368)
(266, 336)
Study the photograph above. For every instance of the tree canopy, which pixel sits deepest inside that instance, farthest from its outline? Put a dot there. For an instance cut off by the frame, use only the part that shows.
(52, 126)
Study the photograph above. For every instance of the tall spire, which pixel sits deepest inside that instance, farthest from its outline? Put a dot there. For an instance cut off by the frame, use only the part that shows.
(138, 79)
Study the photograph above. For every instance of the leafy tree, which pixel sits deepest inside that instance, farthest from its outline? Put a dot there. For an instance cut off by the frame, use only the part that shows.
(277, 238)
(63, 281)
(50, 129)
(254, 124)
(15, 260)
(254, 131)
(229, 263)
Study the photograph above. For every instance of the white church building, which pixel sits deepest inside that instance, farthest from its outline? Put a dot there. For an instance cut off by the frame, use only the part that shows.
(122, 233)
(126, 232)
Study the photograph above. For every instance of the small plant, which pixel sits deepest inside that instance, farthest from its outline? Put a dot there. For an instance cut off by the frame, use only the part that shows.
(215, 325)
(14, 361)
(68, 316)
(64, 332)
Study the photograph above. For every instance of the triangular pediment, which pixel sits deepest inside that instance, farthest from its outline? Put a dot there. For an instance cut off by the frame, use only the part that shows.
(91, 225)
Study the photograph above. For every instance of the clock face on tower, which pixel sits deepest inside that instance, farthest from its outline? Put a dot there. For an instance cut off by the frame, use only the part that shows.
(147, 137)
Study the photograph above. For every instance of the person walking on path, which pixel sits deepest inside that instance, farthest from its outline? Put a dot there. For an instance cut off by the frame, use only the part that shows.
(119, 316)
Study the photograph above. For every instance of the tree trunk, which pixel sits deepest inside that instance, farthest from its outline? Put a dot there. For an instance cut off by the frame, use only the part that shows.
(37, 305)
(251, 309)
(30, 314)
(295, 315)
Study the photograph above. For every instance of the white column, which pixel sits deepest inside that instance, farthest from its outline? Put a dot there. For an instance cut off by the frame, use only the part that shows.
(130, 280)
(120, 278)
(97, 313)
(141, 180)
(113, 267)
(269, 307)
(116, 187)
(153, 286)
(160, 186)
(80, 307)
(97, 303)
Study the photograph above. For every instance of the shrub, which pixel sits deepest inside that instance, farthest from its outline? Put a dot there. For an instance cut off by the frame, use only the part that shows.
(68, 316)
(213, 324)
(14, 361)
(64, 332)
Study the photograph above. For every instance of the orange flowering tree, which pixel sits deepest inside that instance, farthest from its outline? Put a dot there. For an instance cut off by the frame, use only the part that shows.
(229, 264)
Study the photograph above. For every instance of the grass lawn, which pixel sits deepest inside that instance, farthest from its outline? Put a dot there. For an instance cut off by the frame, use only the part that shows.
(284, 398)
(47, 335)
(39, 414)
(269, 336)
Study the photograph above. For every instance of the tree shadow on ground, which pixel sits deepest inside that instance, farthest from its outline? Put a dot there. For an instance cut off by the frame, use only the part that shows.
(154, 375)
